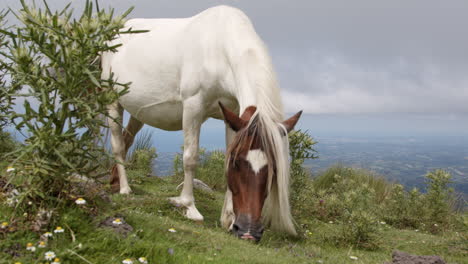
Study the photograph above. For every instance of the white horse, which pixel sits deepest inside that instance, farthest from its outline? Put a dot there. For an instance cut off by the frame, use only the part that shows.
(179, 71)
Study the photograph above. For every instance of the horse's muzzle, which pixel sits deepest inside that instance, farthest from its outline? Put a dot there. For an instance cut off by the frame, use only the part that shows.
(248, 231)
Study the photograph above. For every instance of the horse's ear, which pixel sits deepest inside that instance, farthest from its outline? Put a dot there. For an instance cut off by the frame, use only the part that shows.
(232, 119)
(292, 121)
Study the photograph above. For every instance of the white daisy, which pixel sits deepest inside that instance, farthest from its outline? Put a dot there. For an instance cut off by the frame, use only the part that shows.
(56, 261)
(117, 221)
(353, 257)
(58, 229)
(48, 234)
(172, 230)
(143, 260)
(80, 201)
(41, 244)
(127, 261)
(4, 225)
(10, 169)
(30, 247)
(49, 255)
(11, 201)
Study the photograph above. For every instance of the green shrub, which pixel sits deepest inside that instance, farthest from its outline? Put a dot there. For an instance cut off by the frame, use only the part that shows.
(301, 147)
(7, 144)
(360, 176)
(5, 99)
(142, 154)
(432, 211)
(439, 198)
(404, 209)
(142, 160)
(210, 169)
(352, 205)
(56, 71)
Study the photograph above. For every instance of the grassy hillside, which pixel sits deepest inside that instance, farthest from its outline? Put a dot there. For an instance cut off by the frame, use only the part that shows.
(151, 216)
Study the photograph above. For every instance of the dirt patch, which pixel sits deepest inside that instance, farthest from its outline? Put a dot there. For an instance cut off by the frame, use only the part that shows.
(118, 225)
(5, 186)
(14, 250)
(399, 257)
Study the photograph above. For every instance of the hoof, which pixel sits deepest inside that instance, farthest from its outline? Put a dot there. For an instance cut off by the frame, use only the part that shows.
(125, 190)
(191, 211)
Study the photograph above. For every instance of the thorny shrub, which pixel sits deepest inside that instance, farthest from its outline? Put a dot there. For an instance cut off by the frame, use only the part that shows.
(53, 63)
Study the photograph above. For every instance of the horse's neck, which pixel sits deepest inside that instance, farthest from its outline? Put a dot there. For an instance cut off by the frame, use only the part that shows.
(265, 101)
(256, 83)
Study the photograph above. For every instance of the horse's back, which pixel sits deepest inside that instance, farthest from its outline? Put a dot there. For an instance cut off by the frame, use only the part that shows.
(177, 59)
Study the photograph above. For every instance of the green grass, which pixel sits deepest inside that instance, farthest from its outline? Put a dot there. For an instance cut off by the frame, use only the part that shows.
(148, 211)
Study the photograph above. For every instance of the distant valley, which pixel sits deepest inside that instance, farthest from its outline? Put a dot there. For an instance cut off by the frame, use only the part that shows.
(402, 159)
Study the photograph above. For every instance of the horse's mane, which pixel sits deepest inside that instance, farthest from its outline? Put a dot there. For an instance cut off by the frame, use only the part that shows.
(256, 84)
(276, 210)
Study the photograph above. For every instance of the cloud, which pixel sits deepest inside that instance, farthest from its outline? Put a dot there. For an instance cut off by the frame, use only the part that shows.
(325, 83)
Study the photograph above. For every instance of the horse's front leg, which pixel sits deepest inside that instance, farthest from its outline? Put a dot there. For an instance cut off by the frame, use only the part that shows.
(227, 213)
(192, 120)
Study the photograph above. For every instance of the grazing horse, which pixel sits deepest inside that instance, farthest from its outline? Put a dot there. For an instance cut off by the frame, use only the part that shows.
(184, 71)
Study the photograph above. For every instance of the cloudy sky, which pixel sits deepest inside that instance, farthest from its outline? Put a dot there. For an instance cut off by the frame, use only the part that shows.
(398, 59)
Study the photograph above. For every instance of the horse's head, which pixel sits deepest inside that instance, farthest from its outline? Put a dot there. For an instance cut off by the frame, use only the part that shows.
(248, 168)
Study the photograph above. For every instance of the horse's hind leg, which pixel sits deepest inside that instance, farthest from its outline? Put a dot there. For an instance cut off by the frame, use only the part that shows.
(192, 120)
(118, 146)
(134, 125)
(129, 133)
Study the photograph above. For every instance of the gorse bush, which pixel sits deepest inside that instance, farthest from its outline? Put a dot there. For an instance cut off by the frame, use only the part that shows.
(55, 69)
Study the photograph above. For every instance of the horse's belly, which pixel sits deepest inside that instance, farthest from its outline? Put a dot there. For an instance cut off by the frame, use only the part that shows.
(165, 115)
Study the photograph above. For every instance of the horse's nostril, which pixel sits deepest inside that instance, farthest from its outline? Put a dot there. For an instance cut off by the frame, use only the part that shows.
(235, 228)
